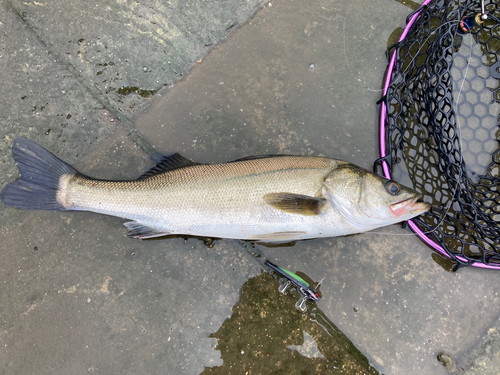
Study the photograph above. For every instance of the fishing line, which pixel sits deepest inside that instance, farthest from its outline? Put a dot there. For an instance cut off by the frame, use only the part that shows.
(459, 177)
(343, 34)
(399, 77)
(345, 45)
(423, 100)
(345, 49)
(425, 43)
(459, 132)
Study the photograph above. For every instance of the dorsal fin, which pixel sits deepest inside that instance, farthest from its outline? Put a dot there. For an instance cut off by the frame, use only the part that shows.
(168, 163)
(257, 157)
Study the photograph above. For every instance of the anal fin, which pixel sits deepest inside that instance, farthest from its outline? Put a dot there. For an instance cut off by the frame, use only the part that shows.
(142, 232)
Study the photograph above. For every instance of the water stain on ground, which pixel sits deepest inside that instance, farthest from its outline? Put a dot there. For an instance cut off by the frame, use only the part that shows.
(267, 335)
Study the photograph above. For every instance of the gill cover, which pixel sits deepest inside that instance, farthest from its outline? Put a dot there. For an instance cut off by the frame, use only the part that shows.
(343, 188)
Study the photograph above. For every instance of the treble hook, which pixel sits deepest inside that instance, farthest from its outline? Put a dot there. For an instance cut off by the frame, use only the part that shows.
(301, 304)
(282, 289)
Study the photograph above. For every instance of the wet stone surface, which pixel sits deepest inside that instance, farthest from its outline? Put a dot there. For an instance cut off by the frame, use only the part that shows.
(447, 361)
(301, 78)
(42, 101)
(117, 45)
(266, 334)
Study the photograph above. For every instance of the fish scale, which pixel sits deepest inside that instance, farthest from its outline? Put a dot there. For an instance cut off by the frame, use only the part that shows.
(266, 198)
(205, 198)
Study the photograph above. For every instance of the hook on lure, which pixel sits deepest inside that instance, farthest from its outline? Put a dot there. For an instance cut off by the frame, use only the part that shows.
(292, 279)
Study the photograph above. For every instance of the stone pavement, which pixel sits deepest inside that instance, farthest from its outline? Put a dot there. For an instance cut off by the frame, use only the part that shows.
(105, 85)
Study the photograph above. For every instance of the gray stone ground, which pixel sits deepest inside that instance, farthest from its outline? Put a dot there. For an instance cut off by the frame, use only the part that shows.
(300, 77)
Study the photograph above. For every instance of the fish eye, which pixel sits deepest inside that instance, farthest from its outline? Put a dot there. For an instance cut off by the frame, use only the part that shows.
(393, 187)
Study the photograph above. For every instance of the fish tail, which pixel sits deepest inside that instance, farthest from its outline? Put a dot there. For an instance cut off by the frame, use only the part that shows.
(39, 179)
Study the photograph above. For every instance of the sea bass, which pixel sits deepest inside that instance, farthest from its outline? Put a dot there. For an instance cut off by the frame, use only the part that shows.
(262, 198)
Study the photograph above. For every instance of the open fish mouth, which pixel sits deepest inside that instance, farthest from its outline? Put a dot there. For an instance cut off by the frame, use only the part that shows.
(409, 206)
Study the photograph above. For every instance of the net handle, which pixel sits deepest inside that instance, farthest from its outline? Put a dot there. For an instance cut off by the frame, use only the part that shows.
(382, 145)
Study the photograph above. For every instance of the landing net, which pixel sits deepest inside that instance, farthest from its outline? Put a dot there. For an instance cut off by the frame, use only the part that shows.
(439, 126)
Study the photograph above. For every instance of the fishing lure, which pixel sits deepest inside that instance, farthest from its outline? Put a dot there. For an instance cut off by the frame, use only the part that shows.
(302, 286)
(292, 279)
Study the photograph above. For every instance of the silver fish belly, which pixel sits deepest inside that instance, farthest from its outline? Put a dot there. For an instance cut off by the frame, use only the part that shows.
(272, 198)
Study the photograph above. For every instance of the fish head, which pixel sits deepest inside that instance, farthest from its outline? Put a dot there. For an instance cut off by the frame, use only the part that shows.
(367, 200)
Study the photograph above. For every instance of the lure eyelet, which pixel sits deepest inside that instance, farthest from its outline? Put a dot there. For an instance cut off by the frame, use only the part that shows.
(393, 187)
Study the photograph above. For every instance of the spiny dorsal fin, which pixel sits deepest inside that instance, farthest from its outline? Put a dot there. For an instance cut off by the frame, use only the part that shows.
(295, 203)
(168, 163)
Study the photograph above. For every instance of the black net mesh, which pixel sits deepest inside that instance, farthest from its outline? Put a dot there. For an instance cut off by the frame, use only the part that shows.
(442, 129)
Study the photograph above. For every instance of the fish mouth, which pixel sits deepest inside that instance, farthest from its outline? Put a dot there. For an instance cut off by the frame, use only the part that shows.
(410, 206)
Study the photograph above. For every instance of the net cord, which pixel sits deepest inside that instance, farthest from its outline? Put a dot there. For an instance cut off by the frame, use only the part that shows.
(382, 145)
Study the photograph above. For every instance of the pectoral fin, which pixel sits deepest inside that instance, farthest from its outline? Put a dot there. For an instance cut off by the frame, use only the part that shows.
(295, 203)
(142, 232)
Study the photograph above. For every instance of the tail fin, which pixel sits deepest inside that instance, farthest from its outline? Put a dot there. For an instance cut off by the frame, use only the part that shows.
(38, 182)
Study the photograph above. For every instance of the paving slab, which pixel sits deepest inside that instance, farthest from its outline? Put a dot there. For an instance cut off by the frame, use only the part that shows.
(300, 77)
(304, 79)
(485, 358)
(56, 280)
(42, 100)
(126, 50)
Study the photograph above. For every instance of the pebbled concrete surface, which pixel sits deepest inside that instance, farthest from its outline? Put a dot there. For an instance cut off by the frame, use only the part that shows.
(121, 47)
(41, 99)
(484, 359)
(299, 77)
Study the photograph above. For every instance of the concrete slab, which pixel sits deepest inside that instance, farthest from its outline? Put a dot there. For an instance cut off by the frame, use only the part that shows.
(42, 100)
(126, 50)
(56, 290)
(485, 358)
(301, 78)
(304, 79)
(280, 86)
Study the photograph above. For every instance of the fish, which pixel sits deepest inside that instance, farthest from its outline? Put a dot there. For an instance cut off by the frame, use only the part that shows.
(269, 199)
